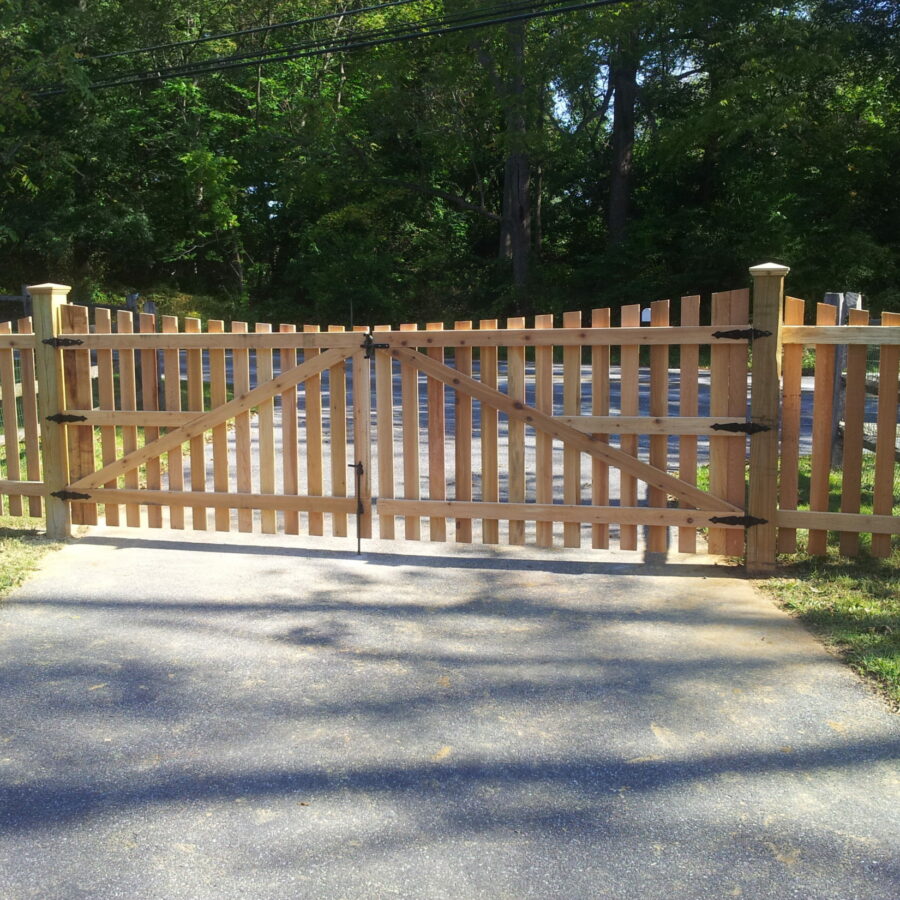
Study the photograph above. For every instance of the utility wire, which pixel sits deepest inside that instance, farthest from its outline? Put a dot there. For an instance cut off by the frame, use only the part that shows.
(245, 31)
(337, 41)
(360, 41)
(327, 45)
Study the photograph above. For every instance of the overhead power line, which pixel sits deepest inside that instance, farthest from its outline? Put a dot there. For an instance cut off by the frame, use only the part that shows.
(334, 43)
(407, 31)
(277, 26)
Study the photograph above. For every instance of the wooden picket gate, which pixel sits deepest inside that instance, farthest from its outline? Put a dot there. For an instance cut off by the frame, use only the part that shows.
(512, 433)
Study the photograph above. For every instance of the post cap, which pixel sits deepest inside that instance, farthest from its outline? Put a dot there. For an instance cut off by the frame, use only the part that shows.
(48, 288)
(769, 269)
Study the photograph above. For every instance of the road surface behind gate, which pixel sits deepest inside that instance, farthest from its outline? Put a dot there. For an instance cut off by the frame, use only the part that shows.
(224, 716)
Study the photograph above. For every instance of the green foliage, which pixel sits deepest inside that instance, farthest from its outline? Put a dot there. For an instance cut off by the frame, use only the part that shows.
(290, 190)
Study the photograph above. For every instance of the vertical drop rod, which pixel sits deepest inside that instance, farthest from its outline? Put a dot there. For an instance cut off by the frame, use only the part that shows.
(360, 509)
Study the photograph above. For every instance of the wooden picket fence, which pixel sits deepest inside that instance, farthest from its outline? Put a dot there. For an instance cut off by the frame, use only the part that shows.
(861, 339)
(594, 433)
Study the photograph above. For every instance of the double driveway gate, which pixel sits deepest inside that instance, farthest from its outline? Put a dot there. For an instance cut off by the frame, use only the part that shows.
(589, 433)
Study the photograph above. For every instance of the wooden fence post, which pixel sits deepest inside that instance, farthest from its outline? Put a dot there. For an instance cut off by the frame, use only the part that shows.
(765, 404)
(47, 299)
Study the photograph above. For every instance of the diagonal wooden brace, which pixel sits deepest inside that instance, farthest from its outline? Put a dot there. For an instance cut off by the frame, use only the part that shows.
(205, 421)
(589, 444)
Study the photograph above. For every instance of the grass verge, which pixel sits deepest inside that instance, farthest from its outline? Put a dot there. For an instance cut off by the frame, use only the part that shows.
(853, 605)
(21, 549)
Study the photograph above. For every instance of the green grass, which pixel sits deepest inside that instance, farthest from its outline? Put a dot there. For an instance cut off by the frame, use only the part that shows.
(853, 604)
(21, 549)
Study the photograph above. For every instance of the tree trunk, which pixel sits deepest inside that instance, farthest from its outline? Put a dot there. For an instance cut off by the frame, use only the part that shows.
(623, 74)
(237, 264)
(515, 228)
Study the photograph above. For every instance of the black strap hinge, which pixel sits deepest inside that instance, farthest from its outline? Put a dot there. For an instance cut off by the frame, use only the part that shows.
(62, 342)
(70, 495)
(746, 521)
(740, 427)
(742, 334)
(369, 345)
(59, 418)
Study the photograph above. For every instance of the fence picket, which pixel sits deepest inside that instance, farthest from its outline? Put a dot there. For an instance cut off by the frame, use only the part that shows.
(630, 406)
(195, 403)
(658, 535)
(543, 400)
(792, 375)
(719, 396)
(265, 421)
(409, 393)
(854, 420)
(150, 401)
(128, 401)
(437, 467)
(362, 436)
(688, 405)
(290, 433)
(315, 470)
(490, 474)
(243, 456)
(515, 387)
(823, 400)
(384, 436)
(172, 396)
(10, 421)
(463, 442)
(218, 396)
(600, 318)
(28, 383)
(886, 438)
(572, 407)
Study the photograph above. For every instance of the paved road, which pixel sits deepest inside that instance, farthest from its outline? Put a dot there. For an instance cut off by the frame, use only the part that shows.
(261, 717)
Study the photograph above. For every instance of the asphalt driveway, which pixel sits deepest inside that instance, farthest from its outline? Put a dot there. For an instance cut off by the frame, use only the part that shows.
(217, 716)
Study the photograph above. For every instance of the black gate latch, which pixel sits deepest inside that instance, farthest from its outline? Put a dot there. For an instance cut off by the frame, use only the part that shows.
(740, 427)
(738, 334)
(61, 342)
(746, 521)
(369, 345)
